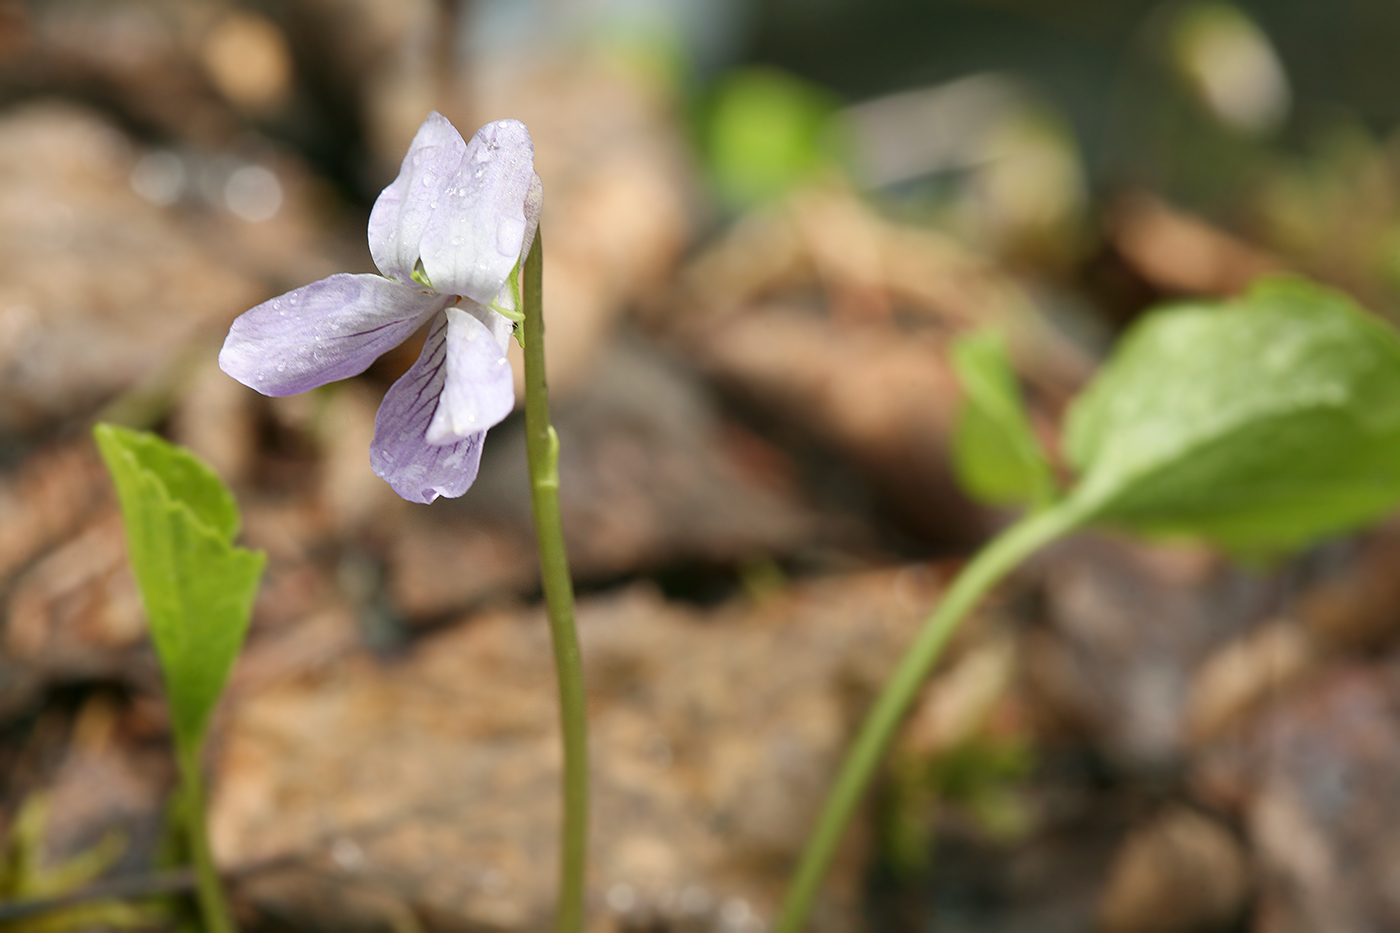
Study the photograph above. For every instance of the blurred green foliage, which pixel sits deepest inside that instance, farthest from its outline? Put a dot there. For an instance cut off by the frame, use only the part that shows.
(982, 779)
(1261, 424)
(764, 132)
(996, 455)
(24, 876)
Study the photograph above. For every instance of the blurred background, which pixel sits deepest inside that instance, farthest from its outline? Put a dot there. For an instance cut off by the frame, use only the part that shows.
(764, 222)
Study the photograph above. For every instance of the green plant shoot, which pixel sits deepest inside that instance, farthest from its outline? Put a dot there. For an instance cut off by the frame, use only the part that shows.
(197, 587)
(996, 455)
(1259, 424)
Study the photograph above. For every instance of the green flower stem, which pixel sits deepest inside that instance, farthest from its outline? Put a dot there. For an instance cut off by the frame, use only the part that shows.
(542, 446)
(212, 904)
(989, 565)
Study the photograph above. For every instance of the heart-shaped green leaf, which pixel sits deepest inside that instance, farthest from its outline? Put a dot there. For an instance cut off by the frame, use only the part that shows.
(1261, 424)
(196, 585)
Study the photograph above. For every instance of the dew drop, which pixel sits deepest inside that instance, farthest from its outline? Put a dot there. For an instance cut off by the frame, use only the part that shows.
(510, 236)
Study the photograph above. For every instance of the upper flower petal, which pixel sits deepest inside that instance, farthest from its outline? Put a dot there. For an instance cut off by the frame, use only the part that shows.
(400, 453)
(470, 245)
(534, 206)
(401, 213)
(479, 390)
(534, 202)
(328, 330)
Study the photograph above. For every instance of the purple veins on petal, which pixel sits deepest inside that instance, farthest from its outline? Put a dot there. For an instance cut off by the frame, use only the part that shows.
(479, 390)
(328, 330)
(400, 453)
(463, 215)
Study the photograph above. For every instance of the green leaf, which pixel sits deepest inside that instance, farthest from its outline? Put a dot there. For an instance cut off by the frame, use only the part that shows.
(996, 455)
(196, 585)
(1261, 424)
(185, 478)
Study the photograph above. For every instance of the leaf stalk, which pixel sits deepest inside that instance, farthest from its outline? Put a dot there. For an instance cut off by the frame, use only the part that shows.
(213, 905)
(988, 567)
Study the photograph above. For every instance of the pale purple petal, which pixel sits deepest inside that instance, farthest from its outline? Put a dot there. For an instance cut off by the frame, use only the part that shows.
(499, 325)
(402, 212)
(479, 390)
(400, 453)
(328, 330)
(534, 202)
(534, 206)
(470, 246)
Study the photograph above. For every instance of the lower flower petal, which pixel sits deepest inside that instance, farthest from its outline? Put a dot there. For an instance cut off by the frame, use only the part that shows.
(400, 453)
(479, 389)
(328, 330)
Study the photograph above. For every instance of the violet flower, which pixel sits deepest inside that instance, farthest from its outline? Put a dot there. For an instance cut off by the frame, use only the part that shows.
(448, 236)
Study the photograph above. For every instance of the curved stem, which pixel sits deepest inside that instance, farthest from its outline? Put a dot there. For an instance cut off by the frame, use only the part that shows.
(542, 447)
(212, 904)
(989, 565)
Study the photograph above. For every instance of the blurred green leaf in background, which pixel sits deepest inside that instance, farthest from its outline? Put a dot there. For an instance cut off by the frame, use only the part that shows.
(1260, 424)
(996, 454)
(765, 132)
